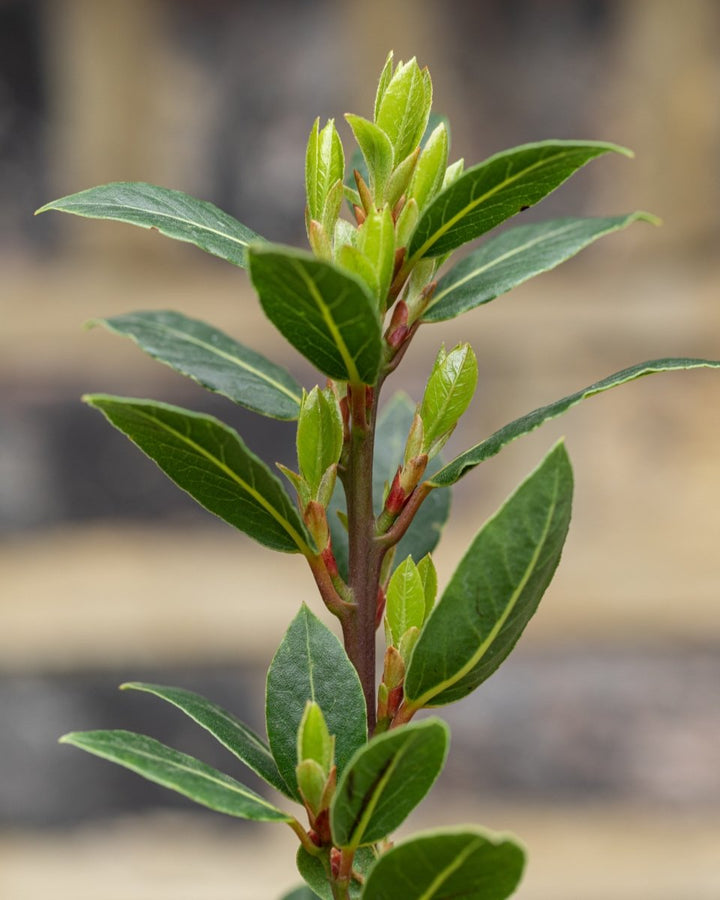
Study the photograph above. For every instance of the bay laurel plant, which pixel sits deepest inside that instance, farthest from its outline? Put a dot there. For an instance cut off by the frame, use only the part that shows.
(344, 749)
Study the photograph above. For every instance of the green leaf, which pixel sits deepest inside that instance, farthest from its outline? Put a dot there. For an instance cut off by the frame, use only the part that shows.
(376, 240)
(177, 771)
(311, 664)
(404, 107)
(324, 166)
(515, 256)
(326, 314)
(430, 169)
(428, 576)
(313, 871)
(448, 394)
(424, 532)
(383, 82)
(462, 464)
(495, 589)
(172, 213)
(300, 893)
(448, 864)
(233, 734)
(405, 600)
(210, 462)
(213, 359)
(319, 436)
(314, 741)
(385, 781)
(487, 194)
(377, 152)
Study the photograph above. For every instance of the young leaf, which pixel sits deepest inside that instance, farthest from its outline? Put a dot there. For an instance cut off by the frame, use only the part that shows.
(448, 864)
(314, 741)
(326, 314)
(429, 579)
(376, 240)
(405, 600)
(430, 169)
(233, 734)
(177, 771)
(487, 194)
(319, 436)
(383, 82)
(313, 871)
(495, 589)
(172, 213)
(462, 464)
(324, 166)
(210, 462)
(385, 780)
(377, 152)
(311, 664)
(404, 107)
(213, 359)
(448, 394)
(513, 257)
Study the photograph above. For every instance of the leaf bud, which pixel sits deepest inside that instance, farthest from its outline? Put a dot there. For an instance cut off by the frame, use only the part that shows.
(452, 173)
(319, 436)
(316, 520)
(324, 166)
(415, 440)
(405, 600)
(314, 741)
(430, 169)
(428, 576)
(448, 393)
(394, 668)
(400, 179)
(407, 220)
(407, 643)
(412, 472)
(311, 783)
(403, 105)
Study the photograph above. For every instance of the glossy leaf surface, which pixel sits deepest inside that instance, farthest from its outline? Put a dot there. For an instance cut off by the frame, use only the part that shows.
(213, 359)
(233, 734)
(462, 464)
(172, 213)
(495, 589)
(177, 771)
(327, 314)
(311, 664)
(448, 864)
(385, 781)
(493, 191)
(210, 462)
(515, 256)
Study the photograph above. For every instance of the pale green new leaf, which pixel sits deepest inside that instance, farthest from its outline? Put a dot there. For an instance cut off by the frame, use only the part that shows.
(324, 166)
(377, 151)
(177, 771)
(233, 734)
(448, 864)
(405, 600)
(327, 314)
(172, 213)
(462, 464)
(311, 664)
(404, 107)
(487, 194)
(213, 359)
(209, 461)
(515, 256)
(385, 781)
(495, 589)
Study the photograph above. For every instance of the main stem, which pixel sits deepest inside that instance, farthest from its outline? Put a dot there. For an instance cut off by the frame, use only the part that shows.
(365, 555)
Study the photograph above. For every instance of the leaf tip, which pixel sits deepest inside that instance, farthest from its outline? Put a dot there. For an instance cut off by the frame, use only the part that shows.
(643, 216)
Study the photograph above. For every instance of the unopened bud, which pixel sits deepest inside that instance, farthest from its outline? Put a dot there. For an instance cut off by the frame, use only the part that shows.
(412, 472)
(316, 520)
(394, 668)
(416, 436)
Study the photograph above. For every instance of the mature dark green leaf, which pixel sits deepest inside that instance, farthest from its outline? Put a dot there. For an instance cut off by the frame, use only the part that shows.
(391, 433)
(222, 725)
(213, 359)
(313, 871)
(495, 589)
(462, 464)
(172, 213)
(487, 194)
(515, 256)
(311, 664)
(177, 771)
(448, 864)
(209, 461)
(327, 314)
(385, 781)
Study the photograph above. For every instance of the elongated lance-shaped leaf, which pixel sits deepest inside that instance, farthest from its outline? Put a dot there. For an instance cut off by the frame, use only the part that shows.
(311, 664)
(233, 734)
(425, 529)
(209, 461)
(172, 213)
(505, 184)
(515, 256)
(313, 871)
(495, 589)
(177, 771)
(213, 359)
(448, 864)
(327, 314)
(385, 781)
(462, 464)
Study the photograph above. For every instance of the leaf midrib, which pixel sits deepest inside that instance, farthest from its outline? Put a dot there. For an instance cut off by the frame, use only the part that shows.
(423, 700)
(443, 876)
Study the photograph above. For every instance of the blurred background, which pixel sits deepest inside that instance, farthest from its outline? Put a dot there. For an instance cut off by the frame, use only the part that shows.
(598, 742)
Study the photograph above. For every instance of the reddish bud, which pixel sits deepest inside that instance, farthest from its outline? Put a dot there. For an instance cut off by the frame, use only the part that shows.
(314, 837)
(412, 472)
(396, 496)
(359, 214)
(395, 698)
(396, 337)
(328, 557)
(393, 670)
(335, 858)
(316, 521)
(399, 259)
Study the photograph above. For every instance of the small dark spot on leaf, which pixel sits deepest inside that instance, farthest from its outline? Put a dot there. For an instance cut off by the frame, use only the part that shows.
(523, 208)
